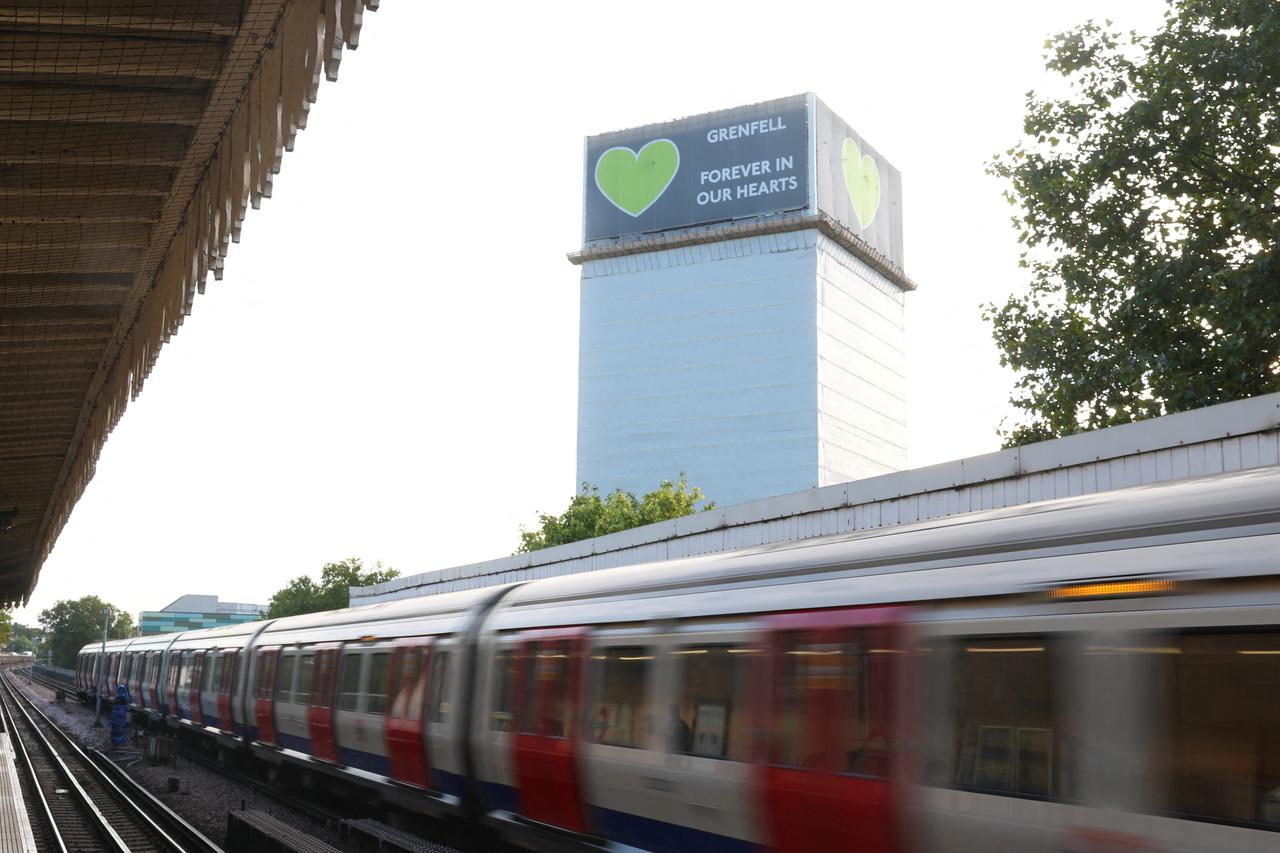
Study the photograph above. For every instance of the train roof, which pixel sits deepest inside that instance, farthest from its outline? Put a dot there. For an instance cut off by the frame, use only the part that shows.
(992, 552)
(381, 617)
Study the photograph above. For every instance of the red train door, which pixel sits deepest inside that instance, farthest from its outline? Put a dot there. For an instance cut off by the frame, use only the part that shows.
(226, 681)
(150, 697)
(135, 677)
(193, 694)
(548, 699)
(171, 685)
(406, 748)
(264, 694)
(320, 712)
(831, 699)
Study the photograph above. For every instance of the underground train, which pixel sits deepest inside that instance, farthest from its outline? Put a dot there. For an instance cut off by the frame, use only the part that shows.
(1093, 674)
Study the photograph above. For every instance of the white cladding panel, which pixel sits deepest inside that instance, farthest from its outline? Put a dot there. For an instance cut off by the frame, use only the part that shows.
(703, 360)
(862, 384)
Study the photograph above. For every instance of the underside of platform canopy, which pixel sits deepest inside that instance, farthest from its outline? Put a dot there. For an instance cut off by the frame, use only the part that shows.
(134, 135)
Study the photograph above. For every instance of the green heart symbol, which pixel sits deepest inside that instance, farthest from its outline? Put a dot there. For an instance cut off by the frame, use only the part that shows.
(862, 179)
(635, 180)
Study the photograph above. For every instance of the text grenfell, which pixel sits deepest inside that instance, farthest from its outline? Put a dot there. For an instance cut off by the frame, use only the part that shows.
(751, 128)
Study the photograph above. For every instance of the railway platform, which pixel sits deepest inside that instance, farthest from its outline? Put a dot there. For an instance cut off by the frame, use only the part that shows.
(15, 826)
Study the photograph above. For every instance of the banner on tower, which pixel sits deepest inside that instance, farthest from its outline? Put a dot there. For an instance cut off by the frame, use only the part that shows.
(776, 157)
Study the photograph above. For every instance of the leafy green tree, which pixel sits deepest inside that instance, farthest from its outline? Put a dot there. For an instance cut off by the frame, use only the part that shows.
(590, 515)
(303, 595)
(6, 629)
(72, 623)
(25, 638)
(1149, 209)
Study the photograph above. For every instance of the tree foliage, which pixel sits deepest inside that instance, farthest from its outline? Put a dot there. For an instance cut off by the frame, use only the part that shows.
(1149, 209)
(6, 629)
(303, 595)
(25, 638)
(73, 623)
(590, 515)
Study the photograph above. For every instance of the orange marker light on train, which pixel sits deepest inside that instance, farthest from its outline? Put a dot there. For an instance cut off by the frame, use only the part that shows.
(1110, 589)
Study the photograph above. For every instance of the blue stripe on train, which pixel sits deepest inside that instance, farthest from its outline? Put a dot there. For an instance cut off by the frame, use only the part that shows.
(365, 760)
(500, 796)
(446, 782)
(300, 744)
(662, 837)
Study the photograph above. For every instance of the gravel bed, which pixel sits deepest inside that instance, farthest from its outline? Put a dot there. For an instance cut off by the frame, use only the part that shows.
(204, 796)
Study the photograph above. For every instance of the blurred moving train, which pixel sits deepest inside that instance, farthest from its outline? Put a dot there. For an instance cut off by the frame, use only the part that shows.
(1099, 673)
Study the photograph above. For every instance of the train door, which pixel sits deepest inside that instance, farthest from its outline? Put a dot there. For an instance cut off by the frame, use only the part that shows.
(831, 689)
(196, 672)
(406, 746)
(126, 675)
(156, 681)
(320, 711)
(226, 680)
(444, 685)
(170, 703)
(264, 695)
(209, 688)
(144, 683)
(700, 776)
(293, 692)
(621, 751)
(549, 698)
(497, 682)
(136, 678)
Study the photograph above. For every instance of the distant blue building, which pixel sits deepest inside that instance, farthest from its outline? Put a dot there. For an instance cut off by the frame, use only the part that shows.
(762, 353)
(192, 612)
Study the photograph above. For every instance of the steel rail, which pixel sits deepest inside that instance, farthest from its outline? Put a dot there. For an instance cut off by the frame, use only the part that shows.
(33, 777)
(195, 841)
(94, 817)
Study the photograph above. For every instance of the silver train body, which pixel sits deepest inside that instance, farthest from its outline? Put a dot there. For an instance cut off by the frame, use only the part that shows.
(1099, 673)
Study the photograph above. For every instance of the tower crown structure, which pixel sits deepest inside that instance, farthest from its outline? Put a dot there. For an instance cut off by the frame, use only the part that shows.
(742, 304)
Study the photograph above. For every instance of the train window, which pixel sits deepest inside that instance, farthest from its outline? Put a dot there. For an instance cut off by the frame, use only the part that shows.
(379, 678)
(409, 687)
(710, 714)
(349, 682)
(622, 712)
(1008, 733)
(439, 710)
(322, 679)
(260, 667)
(306, 669)
(284, 684)
(1220, 741)
(833, 704)
(546, 700)
(212, 661)
(230, 666)
(504, 676)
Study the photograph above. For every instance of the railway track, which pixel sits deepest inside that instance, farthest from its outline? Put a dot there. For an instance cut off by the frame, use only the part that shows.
(81, 801)
(53, 684)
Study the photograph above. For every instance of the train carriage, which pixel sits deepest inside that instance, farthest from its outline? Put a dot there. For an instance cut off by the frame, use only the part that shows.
(1096, 673)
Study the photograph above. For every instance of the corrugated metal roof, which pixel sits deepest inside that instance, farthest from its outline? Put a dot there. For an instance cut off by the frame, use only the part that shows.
(134, 135)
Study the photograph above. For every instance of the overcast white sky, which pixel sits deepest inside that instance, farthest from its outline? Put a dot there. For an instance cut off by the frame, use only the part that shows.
(389, 367)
